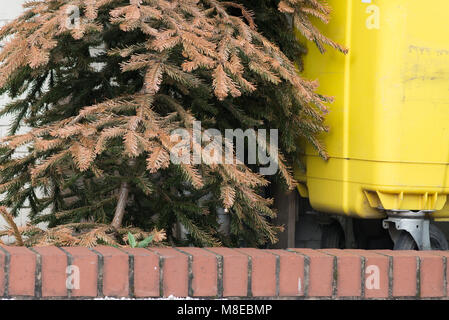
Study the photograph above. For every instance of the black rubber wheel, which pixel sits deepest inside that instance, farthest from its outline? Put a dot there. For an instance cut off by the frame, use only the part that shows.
(332, 236)
(438, 240)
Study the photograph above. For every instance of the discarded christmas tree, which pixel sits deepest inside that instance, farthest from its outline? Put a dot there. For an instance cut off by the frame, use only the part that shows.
(103, 93)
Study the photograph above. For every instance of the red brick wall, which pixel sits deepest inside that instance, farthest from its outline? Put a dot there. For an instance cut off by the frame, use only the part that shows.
(41, 272)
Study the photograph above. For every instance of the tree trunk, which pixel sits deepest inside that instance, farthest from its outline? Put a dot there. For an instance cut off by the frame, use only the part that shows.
(121, 205)
(122, 200)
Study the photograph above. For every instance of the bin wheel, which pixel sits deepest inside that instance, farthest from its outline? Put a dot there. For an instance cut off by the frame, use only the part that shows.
(332, 236)
(438, 240)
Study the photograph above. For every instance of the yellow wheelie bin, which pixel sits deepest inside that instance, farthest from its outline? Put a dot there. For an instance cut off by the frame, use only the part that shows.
(389, 124)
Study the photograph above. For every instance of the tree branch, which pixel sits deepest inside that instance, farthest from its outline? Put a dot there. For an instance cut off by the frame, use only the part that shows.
(9, 219)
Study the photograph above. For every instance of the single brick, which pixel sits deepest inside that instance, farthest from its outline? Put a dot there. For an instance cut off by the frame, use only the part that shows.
(22, 271)
(376, 280)
(53, 268)
(321, 272)
(85, 262)
(115, 271)
(263, 272)
(349, 273)
(146, 272)
(174, 272)
(445, 256)
(2, 272)
(205, 272)
(235, 272)
(431, 275)
(405, 264)
(291, 273)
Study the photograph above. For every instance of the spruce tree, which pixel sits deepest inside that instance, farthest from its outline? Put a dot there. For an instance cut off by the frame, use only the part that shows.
(101, 119)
